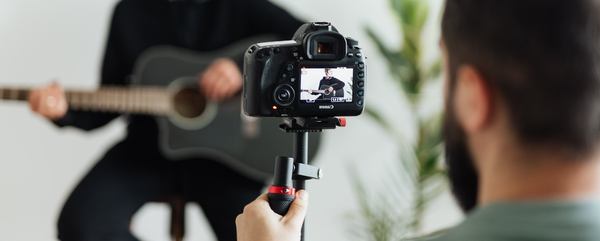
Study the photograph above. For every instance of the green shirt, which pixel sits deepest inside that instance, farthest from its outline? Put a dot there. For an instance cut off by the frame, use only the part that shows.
(530, 221)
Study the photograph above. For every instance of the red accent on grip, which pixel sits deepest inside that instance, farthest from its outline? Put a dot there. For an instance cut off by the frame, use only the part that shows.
(342, 122)
(282, 190)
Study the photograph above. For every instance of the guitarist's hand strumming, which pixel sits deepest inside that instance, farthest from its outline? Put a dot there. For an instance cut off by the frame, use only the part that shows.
(221, 80)
(49, 101)
(167, 87)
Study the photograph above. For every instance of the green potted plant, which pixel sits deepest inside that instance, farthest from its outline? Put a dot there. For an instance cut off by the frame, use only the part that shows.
(419, 173)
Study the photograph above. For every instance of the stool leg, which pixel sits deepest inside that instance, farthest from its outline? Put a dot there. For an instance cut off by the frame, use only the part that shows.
(177, 219)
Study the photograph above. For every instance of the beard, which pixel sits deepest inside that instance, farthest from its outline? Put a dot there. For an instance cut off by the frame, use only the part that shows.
(464, 180)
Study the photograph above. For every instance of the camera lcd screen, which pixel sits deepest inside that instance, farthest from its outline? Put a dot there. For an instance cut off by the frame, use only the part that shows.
(326, 85)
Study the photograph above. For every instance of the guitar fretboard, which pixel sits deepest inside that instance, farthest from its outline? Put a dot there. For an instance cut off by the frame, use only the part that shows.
(14, 94)
(139, 100)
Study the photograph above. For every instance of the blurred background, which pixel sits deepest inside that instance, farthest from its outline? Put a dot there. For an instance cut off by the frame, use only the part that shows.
(64, 40)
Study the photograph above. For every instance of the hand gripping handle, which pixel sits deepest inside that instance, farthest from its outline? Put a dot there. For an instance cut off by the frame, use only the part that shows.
(281, 193)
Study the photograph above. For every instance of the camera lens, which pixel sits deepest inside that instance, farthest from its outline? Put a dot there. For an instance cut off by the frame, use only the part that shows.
(284, 95)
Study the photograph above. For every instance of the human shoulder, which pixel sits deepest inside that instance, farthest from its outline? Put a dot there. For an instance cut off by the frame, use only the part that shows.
(139, 5)
(435, 236)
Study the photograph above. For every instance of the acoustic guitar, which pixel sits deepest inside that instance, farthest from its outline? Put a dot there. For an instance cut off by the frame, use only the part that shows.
(324, 90)
(164, 85)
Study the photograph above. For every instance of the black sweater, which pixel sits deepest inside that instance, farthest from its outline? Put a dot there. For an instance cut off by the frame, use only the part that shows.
(337, 85)
(139, 24)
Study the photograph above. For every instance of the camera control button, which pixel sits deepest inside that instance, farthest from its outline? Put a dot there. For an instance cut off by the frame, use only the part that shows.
(361, 93)
(252, 49)
(361, 74)
(359, 55)
(284, 95)
(350, 55)
(290, 67)
(361, 65)
(361, 84)
(360, 102)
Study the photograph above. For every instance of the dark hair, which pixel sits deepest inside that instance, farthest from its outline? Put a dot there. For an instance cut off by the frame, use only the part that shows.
(541, 57)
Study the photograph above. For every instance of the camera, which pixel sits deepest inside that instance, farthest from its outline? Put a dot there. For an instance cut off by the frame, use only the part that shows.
(319, 73)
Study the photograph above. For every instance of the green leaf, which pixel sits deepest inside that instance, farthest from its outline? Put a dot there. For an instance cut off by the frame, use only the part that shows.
(378, 118)
(419, 171)
(399, 66)
(434, 71)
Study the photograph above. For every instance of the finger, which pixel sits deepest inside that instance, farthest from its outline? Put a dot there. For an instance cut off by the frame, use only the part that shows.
(34, 97)
(206, 81)
(216, 90)
(62, 107)
(212, 91)
(222, 90)
(219, 78)
(220, 62)
(43, 107)
(205, 84)
(234, 73)
(235, 86)
(297, 212)
(238, 220)
(58, 87)
(256, 207)
(209, 81)
(263, 197)
(229, 91)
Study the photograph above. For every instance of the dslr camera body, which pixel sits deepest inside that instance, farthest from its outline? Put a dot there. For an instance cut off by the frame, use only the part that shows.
(319, 73)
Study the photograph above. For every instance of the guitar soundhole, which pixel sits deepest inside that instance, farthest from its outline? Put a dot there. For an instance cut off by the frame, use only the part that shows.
(189, 102)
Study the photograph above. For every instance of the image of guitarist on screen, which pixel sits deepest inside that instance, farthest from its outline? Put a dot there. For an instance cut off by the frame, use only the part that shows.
(329, 87)
(134, 172)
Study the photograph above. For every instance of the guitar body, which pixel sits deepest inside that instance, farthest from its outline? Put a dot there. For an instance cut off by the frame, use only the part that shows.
(211, 131)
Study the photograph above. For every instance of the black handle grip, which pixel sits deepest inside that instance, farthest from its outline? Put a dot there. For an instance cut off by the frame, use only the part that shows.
(280, 203)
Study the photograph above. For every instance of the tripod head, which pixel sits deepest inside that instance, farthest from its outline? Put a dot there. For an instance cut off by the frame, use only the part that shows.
(295, 125)
(302, 126)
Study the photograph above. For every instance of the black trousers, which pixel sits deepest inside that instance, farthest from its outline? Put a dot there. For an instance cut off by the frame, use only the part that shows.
(103, 203)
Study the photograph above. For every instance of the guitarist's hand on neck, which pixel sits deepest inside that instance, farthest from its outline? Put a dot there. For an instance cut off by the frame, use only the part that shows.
(221, 80)
(49, 101)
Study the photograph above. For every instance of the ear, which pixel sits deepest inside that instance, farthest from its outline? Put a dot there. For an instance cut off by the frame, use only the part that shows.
(473, 100)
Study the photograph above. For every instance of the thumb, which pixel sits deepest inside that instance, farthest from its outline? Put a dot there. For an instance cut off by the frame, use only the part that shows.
(297, 212)
(55, 84)
(34, 98)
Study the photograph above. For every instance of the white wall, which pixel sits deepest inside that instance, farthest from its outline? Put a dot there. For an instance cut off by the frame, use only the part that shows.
(41, 40)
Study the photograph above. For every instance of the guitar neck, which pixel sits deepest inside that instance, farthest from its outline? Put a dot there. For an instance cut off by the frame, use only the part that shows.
(315, 91)
(135, 100)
